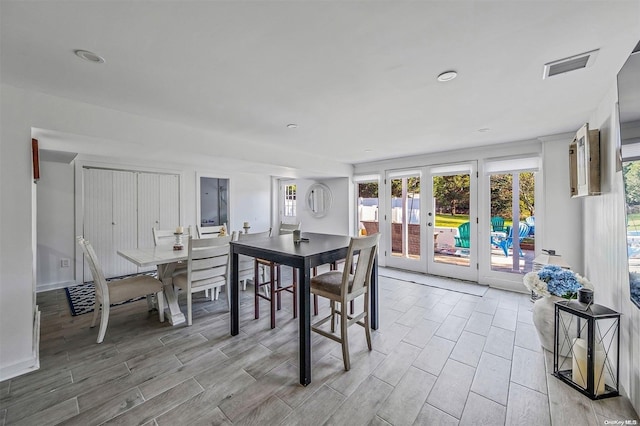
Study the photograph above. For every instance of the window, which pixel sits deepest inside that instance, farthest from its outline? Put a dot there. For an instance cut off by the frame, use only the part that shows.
(289, 201)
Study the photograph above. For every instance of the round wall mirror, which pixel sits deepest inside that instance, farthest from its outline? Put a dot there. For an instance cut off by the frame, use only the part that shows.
(319, 199)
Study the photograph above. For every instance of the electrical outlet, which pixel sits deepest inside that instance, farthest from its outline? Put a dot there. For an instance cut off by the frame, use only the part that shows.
(64, 263)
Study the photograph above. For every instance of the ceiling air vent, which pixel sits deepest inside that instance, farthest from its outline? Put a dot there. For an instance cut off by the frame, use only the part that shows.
(571, 63)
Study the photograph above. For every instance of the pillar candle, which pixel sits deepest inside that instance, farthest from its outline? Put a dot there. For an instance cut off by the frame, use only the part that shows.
(579, 370)
(179, 230)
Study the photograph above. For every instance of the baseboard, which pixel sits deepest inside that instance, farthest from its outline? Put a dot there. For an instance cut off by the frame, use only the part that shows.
(30, 364)
(54, 286)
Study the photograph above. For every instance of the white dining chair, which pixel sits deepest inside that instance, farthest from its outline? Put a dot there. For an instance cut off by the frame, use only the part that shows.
(118, 290)
(207, 269)
(209, 231)
(167, 237)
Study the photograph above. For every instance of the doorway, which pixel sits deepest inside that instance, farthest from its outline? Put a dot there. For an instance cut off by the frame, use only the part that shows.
(431, 220)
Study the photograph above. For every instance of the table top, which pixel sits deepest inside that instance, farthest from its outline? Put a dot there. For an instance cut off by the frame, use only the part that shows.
(284, 245)
(151, 256)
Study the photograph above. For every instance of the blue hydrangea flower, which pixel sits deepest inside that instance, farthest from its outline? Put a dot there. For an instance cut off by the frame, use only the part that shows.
(560, 282)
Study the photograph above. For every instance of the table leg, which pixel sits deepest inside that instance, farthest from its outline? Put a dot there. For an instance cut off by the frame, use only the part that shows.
(373, 290)
(173, 312)
(235, 297)
(304, 328)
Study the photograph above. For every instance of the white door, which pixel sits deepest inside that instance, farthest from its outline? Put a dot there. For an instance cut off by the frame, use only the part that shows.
(452, 220)
(125, 222)
(403, 225)
(288, 202)
(110, 221)
(158, 205)
(148, 208)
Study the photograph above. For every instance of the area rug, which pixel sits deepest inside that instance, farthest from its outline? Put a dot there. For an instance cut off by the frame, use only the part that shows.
(434, 281)
(82, 297)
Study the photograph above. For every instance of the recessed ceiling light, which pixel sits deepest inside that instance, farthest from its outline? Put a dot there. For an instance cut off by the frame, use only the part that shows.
(368, 151)
(89, 56)
(292, 126)
(484, 130)
(447, 76)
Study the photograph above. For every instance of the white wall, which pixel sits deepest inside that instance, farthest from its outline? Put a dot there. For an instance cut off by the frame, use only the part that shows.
(17, 284)
(338, 219)
(55, 225)
(605, 247)
(561, 223)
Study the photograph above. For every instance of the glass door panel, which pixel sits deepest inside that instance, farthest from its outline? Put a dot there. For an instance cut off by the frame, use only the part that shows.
(512, 237)
(405, 248)
(452, 221)
(368, 208)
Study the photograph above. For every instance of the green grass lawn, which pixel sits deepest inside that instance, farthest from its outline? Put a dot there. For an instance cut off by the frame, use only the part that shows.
(450, 221)
(633, 222)
(453, 221)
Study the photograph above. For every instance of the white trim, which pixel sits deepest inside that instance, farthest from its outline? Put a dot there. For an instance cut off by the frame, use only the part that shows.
(366, 178)
(55, 286)
(30, 364)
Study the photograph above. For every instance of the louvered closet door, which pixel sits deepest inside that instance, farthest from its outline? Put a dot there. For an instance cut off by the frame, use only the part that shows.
(169, 201)
(98, 201)
(125, 221)
(148, 208)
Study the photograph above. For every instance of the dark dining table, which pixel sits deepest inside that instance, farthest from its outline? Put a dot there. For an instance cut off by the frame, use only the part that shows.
(316, 250)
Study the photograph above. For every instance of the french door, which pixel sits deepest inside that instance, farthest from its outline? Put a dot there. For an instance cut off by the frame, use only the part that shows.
(404, 224)
(431, 220)
(452, 221)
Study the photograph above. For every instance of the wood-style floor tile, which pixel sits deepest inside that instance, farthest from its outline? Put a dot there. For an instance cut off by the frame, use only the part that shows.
(439, 357)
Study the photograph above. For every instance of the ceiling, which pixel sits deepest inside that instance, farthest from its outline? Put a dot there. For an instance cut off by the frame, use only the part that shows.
(357, 77)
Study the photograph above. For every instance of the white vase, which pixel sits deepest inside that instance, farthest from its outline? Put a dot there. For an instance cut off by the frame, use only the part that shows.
(543, 319)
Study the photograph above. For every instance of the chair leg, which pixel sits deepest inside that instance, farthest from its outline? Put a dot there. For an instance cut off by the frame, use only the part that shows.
(333, 316)
(344, 337)
(367, 327)
(160, 302)
(273, 296)
(189, 313)
(256, 289)
(277, 283)
(96, 313)
(295, 292)
(315, 296)
(104, 320)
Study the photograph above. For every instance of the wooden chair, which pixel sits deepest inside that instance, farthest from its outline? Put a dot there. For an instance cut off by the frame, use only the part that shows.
(207, 268)
(343, 287)
(118, 290)
(209, 231)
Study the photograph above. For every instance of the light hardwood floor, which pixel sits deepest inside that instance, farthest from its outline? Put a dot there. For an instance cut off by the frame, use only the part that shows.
(439, 357)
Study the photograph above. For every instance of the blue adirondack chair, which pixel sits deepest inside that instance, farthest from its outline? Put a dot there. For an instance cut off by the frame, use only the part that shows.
(462, 240)
(507, 243)
(531, 221)
(497, 224)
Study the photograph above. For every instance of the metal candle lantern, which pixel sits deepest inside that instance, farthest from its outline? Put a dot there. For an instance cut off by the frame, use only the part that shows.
(590, 335)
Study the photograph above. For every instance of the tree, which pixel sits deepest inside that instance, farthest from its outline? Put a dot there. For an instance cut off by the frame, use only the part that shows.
(631, 174)
(368, 190)
(452, 193)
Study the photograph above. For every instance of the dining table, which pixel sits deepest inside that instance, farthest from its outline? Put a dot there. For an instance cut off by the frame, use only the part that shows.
(165, 259)
(315, 249)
